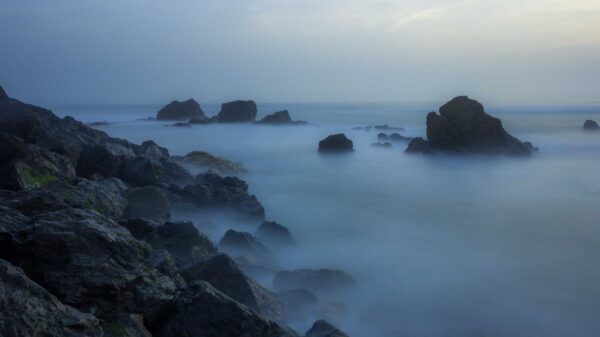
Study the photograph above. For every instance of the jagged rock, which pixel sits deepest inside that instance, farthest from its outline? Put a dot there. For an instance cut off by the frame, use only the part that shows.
(122, 324)
(181, 111)
(166, 264)
(274, 234)
(147, 202)
(107, 159)
(322, 328)
(87, 261)
(244, 244)
(316, 280)
(203, 311)
(464, 127)
(419, 145)
(183, 241)
(223, 273)
(27, 309)
(237, 112)
(393, 137)
(590, 125)
(140, 171)
(280, 118)
(336, 143)
(299, 304)
(212, 190)
(207, 160)
(152, 151)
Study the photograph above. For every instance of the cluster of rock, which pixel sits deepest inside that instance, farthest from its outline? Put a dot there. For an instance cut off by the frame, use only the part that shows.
(87, 246)
(189, 112)
(463, 126)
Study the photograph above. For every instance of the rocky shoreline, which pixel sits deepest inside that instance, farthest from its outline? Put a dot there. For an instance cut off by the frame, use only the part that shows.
(88, 247)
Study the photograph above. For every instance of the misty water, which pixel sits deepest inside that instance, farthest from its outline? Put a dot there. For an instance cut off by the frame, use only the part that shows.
(440, 246)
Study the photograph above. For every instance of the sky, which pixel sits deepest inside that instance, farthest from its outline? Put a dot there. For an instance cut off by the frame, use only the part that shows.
(147, 51)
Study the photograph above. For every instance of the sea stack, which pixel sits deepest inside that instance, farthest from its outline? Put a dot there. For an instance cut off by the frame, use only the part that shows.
(177, 111)
(590, 125)
(336, 143)
(237, 112)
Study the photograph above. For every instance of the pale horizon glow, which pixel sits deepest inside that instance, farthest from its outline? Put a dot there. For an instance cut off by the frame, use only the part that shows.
(133, 51)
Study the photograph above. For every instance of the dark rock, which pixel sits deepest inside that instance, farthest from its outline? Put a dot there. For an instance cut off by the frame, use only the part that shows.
(169, 172)
(333, 312)
(181, 125)
(100, 123)
(279, 117)
(386, 127)
(147, 202)
(316, 280)
(244, 244)
(322, 328)
(531, 147)
(3, 94)
(152, 151)
(26, 310)
(199, 121)
(107, 159)
(183, 241)
(274, 234)
(590, 125)
(181, 111)
(140, 171)
(212, 190)
(464, 127)
(419, 145)
(386, 144)
(203, 311)
(237, 112)
(335, 143)
(222, 272)
(166, 264)
(398, 137)
(209, 161)
(122, 324)
(383, 136)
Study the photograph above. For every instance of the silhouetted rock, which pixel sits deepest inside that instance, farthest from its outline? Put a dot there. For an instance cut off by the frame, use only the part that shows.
(181, 111)
(107, 159)
(237, 112)
(464, 127)
(386, 127)
(322, 328)
(590, 125)
(244, 244)
(100, 123)
(209, 161)
(274, 234)
(398, 137)
(419, 145)
(203, 311)
(280, 118)
(181, 125)
(335, 143)
(199, 121)
(317, 280)
(27, 309)
(147, 202)
(222, 272)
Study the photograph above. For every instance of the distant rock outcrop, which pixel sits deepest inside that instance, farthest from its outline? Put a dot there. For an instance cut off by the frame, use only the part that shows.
(279, 117)
(177, 110)
(590, 125)
(462, 126)
(237, 112)
(336, 143)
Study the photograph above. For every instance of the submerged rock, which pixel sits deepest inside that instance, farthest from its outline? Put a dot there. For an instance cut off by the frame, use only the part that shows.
(274, 234)
(177, 110)
(336, 143)
(316, 280)
(237, 112)
(27, 309)
(244, 244)
(209, 161)
(322, 328)
(590, 125)
(222, 272)
(203, 311)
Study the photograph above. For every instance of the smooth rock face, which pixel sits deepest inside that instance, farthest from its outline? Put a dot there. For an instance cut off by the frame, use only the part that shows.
(274, 234)
(244, 244)
(336, 143)
(181, 111)
(203, 311)
(279, 117)
(237, 112)
(223, 273)
(322, 328)
(147, 202)
(462, 126)
(590, 125)
(316, 280)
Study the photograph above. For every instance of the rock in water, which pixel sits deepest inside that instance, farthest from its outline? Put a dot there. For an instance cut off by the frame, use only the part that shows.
(322, 328)
(419, 145)
(222, 272)
(181, 111)
(274, 234)
(462, 126)
(590, 125)
(279, 117)
(237, 112)
(316, 280)
(207, 160)
(336, 143)
(244, 244)
(26, 310)
(203, 311)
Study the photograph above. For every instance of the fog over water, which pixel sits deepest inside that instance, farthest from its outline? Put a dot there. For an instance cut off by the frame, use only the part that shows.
(440, 246)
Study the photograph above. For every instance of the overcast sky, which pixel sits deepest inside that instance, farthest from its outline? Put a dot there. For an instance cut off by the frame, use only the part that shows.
(142, 51)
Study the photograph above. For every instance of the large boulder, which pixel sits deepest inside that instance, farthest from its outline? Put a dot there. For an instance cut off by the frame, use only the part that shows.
(223, 273)
(316, 280)
(462, 126)
(244, 244)
(590, 125)
(206, 160)
(274, 235)
(147, 202)
(336, 143)
(322, 328)
(27, 309)
(203, 311)
(107, 159)
(210, 190)
(279, 117)
(237, 112)
(177, 110)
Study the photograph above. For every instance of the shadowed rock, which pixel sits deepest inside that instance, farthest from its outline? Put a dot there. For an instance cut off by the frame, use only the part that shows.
(244, 244)
(237, 112)
(299, 304)
(177, 110)
(147, 202)
(279, 117)
(322, 328)
(590, 125)
(274, 234)
(419, 145)
(335, 143)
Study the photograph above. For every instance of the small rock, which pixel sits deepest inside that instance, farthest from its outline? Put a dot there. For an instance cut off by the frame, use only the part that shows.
(335, 143)
(590, 125)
